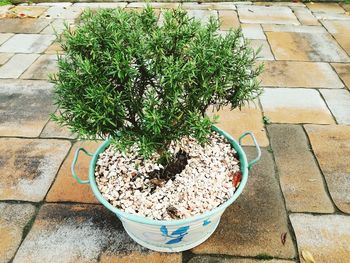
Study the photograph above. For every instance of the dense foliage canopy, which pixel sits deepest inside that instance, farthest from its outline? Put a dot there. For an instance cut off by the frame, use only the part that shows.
(127, 76)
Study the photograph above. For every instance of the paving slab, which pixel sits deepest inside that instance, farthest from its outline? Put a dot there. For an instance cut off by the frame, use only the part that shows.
(300, 74)
(293, 28)
(202, 15)
(249, 119)
(22, 25)
(292, 105)
(345, 6)
(63, 4)
(80, 233)
(338, 102)
(253, 31)
(44, 66)
(213, 259)
(4, 37)
(340, 30)
(29, 11)
(168, 5)
(25, 106)
(305, 16)
(325, 8)
(343, 71)
(65, 187)
(306, 47)
(4, 9)
(331, 145)
(254, 223)
(228, 19)
(54, 48)
(57, 26)
(53, 130)
(209, 6)
(100, 5)
(69, 13)
(266, 15)
(325, 16)
(16, 65)
(4, 57)
(265, 52)
(298, 170)
(290, 4)
(13, 219)
(326, 237)
(29, 166)
(27, 43)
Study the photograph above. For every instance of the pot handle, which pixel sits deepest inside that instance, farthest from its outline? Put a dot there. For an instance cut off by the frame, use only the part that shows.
(75, 161)
(258, 151)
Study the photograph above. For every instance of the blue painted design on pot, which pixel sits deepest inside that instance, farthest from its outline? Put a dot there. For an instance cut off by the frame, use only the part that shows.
(176, 236)
(206, 222)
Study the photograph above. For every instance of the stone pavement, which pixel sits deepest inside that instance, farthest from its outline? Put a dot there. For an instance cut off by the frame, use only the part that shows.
(297, 199)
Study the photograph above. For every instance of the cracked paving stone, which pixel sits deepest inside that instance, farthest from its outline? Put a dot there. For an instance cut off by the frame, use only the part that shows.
(82, 233)
(305, 16)
(340, 30)
(228, 19)
(257, 216)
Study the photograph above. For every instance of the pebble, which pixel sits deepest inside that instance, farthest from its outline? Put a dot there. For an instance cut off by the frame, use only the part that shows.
(205, 183)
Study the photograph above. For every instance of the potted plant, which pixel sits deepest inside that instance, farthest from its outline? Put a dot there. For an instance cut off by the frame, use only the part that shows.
(164, 169)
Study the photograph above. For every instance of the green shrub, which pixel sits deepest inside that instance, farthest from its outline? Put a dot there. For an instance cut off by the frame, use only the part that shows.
(127, 77)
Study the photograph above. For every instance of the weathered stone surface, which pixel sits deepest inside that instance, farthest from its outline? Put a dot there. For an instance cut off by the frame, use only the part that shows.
(305, 16)
(257, 215)
(79, 233)
(66, 187)
(4, 57)
(202, 15)
(53, 130)
(305, 47)
(139, 257)
(237, 122)
(54, 48)
(25, 107)
(338, 102)
(154, 5)
(293, 28)
(331, 145)
(31, 11)
(343, 71)
(253, 31)
(4, 37)
(4, 9)
(209, 6)
(13, 218)
(228, 19)
(17, 65)
(56, 27)
(69, 13)
(27, 43)
(266, 15)
(325, 16)
(100, 5)
(340, 29)
(41, 68)
(326, 237)
(213, 259)
(29, 166)
(265, 52)
(291, 105)
(299, 74)
(22, 25)
(345, 6)
(290, 4)
(300, 177)
(325, 8)
(63, 4)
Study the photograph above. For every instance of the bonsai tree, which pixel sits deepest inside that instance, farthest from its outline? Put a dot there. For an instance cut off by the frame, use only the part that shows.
(125, 76)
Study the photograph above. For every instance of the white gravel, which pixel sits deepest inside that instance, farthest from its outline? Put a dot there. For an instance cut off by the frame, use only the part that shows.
(205, 183)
